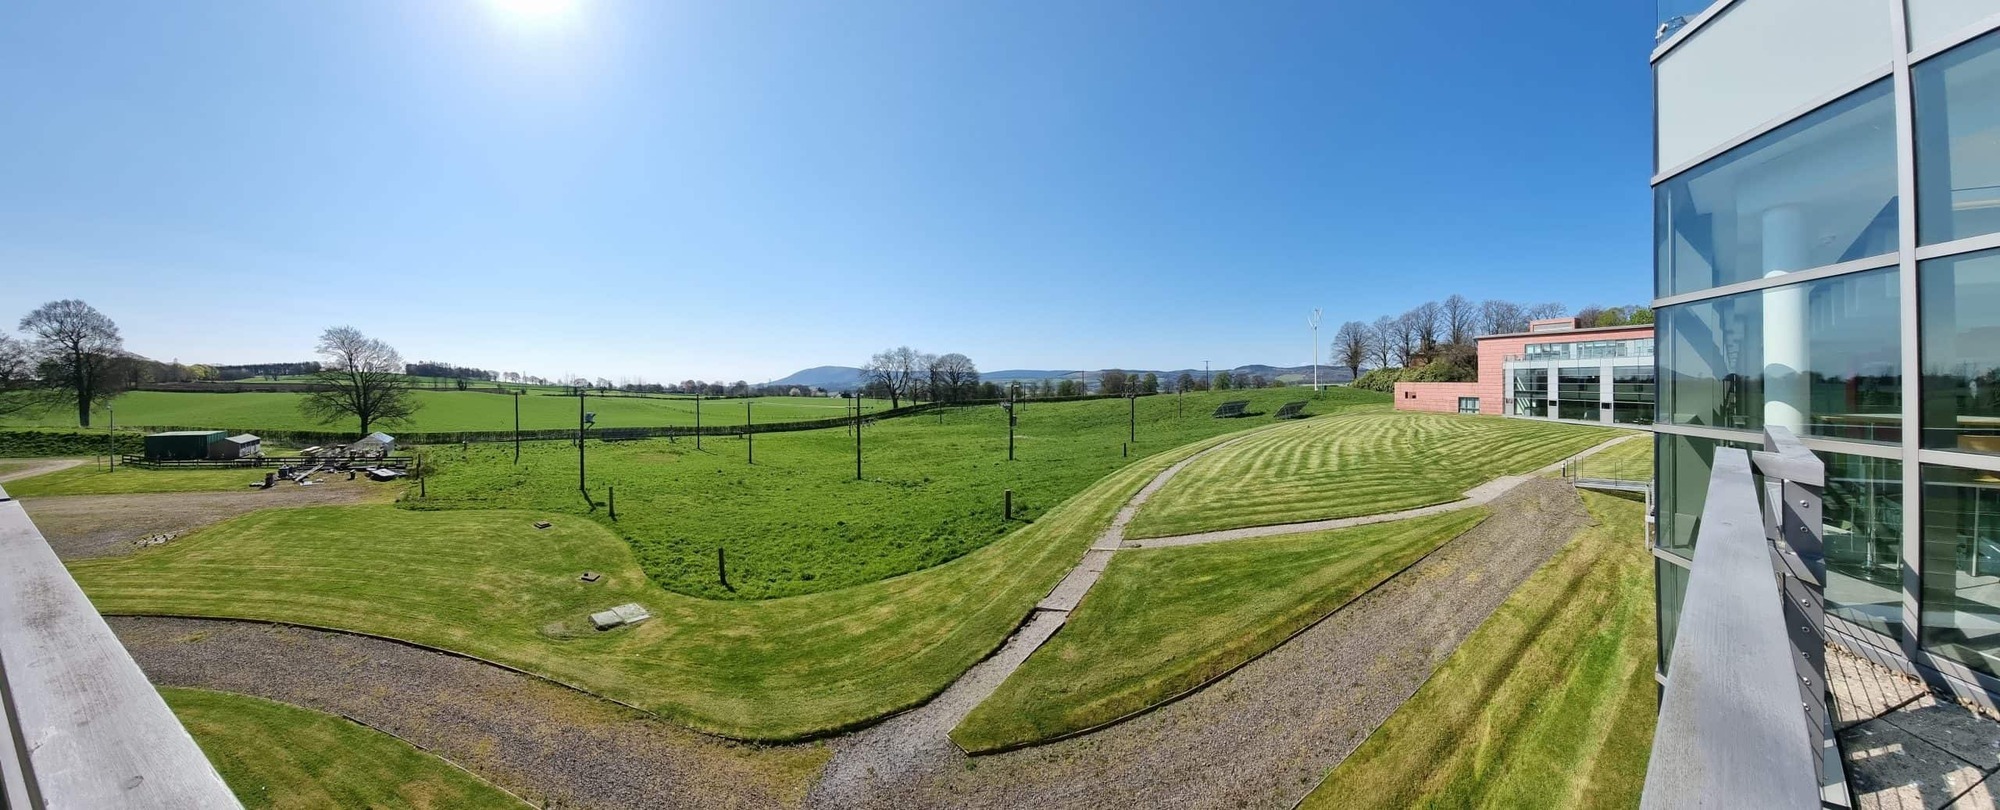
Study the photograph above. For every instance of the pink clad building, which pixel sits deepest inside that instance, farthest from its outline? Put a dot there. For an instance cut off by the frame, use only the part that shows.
(1555, 370)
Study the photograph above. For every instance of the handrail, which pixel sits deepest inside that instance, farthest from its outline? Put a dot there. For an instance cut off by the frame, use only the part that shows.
(83, 727)
(1731, 731)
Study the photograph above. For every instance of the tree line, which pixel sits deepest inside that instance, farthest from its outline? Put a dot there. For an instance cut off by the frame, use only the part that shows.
(1434, 341)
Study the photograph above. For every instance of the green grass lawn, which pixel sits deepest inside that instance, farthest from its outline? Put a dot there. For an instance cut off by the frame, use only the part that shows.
(1631, 460)
(489, 584)
(442, 411)
(94, 479)
(1550, 703)
(279, 756)
(798, 522)
(1164, 621)
(1353, 464)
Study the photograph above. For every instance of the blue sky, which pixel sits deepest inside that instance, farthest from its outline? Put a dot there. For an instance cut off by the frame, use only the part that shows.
(741, 189)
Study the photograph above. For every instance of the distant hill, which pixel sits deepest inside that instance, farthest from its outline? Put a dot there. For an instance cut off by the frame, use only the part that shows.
(837, 378)
(832, 378)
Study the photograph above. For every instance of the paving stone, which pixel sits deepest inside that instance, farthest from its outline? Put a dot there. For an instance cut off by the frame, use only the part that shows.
(1951, 727)
(1863, 690)
(1892, 768)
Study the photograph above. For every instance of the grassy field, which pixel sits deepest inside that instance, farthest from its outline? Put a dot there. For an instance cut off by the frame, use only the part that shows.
(489, 584)
(1549, 704)
(1162, 622)
(798, 522)
(279, 756)
(94, 479)
(1631, 460)
(442, 411)
(1353, 464)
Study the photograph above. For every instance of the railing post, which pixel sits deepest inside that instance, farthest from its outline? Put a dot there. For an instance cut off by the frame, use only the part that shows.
(1794, 520)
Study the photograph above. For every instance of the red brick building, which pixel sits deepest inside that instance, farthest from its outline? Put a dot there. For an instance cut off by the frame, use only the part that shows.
(1555, 370)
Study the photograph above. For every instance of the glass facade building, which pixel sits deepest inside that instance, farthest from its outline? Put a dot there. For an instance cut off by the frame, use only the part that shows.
(1827, 259)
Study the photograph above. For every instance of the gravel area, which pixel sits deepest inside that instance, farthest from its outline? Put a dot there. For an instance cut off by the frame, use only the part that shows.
(1265, 735)
(554, 746)
(84, 526)
(31, 467)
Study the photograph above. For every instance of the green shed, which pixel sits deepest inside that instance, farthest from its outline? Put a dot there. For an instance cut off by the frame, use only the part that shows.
(178, 445)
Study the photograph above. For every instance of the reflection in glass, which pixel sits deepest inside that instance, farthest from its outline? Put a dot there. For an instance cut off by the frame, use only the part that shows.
(1864, 539)
(1683, 463)
(1958, 141)
(1672, 583)
(1960, 301)
(1961, 566)
(1576, 410)
(1819, 357)
(1577, 383)
(1817, 191)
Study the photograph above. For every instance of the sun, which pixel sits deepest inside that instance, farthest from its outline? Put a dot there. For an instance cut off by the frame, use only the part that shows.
(533, 10)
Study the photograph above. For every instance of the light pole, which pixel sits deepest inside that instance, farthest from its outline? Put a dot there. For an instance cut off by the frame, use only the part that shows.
(1132, 416)
(111, 456)
(697, 419)
(749, 438)
(517, 427)
(583, 421)
(1205, 383)
(1313, 320)
(1008, 406)
(857, 438)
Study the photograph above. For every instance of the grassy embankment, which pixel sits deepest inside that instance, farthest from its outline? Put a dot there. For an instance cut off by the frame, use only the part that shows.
(278, 756)
(1164, 621)
(1353, 464)
(489, 584)
(91, 479)
(1550, 703)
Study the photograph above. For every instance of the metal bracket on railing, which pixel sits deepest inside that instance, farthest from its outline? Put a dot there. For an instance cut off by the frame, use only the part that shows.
(1794, 520)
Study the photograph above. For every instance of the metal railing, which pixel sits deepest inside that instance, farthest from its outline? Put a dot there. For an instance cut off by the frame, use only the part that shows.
(1743, 716)
(80, 726)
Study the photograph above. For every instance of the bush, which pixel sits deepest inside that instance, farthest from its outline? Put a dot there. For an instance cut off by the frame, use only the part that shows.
(1385, 379)
(39, 443)
(1381, 379)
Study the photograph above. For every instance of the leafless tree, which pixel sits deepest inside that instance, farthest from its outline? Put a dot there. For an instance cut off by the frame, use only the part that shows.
(1552, 309)
(1426, 320)
(895, 372)
(77, 353)
(953, 376)
(1351, 346)
(1409, 336)
(1502, 317)
(1460, 319)
(1384, 336)
(17, 376)
(360, 378)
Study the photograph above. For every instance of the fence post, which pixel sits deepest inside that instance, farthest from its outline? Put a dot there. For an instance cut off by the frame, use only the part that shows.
(1010, 505)
(611, 494)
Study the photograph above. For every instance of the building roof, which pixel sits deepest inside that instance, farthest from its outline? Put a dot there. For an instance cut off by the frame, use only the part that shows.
(378, 436)
(1587, 330)
(186, 433)
(243, 438)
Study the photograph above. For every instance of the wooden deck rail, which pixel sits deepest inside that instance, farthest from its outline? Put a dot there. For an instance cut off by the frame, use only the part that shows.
(1743, 715)
(83, 727)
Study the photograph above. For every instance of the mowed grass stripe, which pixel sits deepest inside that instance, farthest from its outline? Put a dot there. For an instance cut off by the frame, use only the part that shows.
(1549, 703)
(279, 756)
(1163, 622)
(1353, 464)
(488, 584)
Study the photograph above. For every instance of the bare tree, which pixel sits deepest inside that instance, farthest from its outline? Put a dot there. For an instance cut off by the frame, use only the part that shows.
(17, 375)
(1351, 346)
(1384, 335)
(1425, 320)
(1552, 309)
(77, 352)
(1460, 318)
(1589, 315)
(953, 376)
(1408, 334)
(360, 378)
(894, 372)
(1502, 317)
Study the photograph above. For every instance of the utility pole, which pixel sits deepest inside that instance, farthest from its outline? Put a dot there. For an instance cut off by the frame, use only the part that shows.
(857, 439)
(1205, 384)
(749, 439)
(1313, 320)
(697, 419)
(580, 485)
(517, 427)
(1010, 429)
(111, 457)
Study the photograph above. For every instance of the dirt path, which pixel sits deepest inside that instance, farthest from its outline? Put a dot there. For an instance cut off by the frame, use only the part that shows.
(37, 466)
(1265, 735)
(83, 526)
(551, 745)
(1477, 496)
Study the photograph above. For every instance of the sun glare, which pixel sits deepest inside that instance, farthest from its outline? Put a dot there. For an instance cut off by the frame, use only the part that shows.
(533, 10)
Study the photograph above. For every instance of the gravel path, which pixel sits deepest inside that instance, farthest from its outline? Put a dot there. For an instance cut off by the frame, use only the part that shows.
(551, 745)
(1264, 735)
(84, 526)
(38, 466)
(1477, 496)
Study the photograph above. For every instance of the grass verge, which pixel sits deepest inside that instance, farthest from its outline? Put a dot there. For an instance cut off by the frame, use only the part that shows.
(1162, 622)
(487, 583)
(279, 756)
(1550, 703)
(92, 479)
(1351, 464)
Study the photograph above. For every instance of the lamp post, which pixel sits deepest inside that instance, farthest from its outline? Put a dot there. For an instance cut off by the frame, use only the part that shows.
(1313, 320)
(857, 438)
(1205, 384)
(1008, 406)
(111, 456)
(749, 438)
(517, 427)
(583, 421)
(697, 418)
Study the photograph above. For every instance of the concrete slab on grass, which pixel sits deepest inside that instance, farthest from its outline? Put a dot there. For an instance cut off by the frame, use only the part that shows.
(629, 613)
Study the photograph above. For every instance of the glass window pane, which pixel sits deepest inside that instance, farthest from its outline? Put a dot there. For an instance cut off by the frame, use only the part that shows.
(1960, 300)
(1958, 141)
(1670, 588)
(1819, 356)
(1931, 21)
(1579, 411)
(1684, 463)
(1864, 541)
(1577, 382)
(1817, 191)
(1961, 566)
